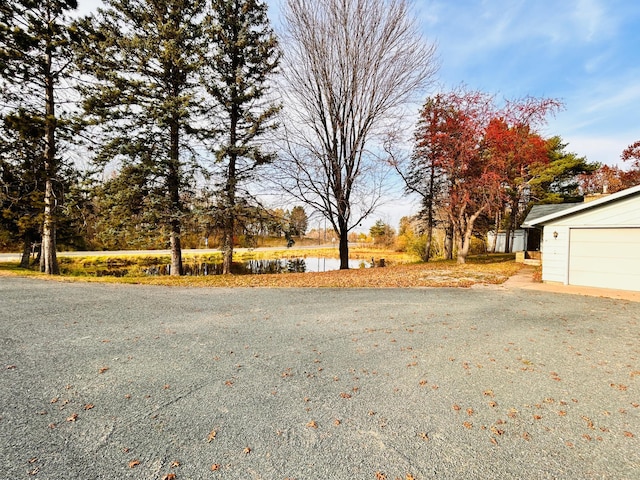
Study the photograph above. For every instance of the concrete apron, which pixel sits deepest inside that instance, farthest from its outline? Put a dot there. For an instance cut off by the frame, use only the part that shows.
(524, 280)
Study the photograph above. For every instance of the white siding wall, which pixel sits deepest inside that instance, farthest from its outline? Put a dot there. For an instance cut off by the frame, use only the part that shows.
(555, 251)
(622, 213)
(555, 254)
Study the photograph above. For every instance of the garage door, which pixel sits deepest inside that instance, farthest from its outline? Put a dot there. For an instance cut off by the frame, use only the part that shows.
(605, 257)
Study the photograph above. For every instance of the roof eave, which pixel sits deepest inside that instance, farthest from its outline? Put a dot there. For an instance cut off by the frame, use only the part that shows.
(585, 206)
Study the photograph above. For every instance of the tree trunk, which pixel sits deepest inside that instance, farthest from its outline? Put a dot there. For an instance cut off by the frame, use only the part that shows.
(464, 236)
(26, 251)
(507, 233)
(230, 190)
(173, 183)
(460, 248)
(427, 248)
(430, 208)
(229, 217)
(448, 242)
(227, 243)
(176, 250)
(496, 231)
(48, 258)
(512, 224)
(430, 225)
(344, 248)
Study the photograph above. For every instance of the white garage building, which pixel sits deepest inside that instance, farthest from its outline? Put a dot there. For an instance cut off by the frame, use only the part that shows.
(595, 244)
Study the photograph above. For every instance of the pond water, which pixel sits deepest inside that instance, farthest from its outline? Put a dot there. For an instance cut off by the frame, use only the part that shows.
(253, 267)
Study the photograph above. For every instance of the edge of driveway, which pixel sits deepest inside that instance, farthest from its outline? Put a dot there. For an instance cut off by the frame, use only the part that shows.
(524, 280)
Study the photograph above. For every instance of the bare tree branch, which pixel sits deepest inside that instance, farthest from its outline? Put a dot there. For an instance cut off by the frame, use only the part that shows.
(349, 70)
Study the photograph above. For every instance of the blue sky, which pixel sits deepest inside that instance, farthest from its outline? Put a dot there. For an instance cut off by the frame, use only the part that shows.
(585, 53)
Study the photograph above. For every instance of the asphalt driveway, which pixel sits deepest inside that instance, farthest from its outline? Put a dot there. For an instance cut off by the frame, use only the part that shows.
(108, 381)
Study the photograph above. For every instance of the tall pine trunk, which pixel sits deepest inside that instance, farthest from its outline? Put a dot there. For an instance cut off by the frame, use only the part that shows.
(173, 182)
(48, 257)
(229, 221)
(230, 189)
(229, 215)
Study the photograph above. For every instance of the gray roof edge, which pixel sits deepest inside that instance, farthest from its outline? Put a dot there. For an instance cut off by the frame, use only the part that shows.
(586, 206)
(548, 209)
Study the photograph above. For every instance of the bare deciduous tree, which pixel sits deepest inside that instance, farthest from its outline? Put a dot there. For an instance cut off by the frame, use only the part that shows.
(350, 68)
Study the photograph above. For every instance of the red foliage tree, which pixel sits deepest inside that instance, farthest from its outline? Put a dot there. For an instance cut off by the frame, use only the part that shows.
(453, 126)
(632, 152)
(515, 147)
(605, 179)
(483, 153)
(611, 179)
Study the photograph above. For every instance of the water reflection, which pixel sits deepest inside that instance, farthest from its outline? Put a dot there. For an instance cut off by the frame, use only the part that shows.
(257, 267)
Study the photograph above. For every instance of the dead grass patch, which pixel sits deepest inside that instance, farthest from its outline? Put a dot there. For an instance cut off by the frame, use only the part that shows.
(484, 270)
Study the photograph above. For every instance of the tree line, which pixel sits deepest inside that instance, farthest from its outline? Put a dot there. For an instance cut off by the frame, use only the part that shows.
(479, 165)
(156, 122)
(148, 87)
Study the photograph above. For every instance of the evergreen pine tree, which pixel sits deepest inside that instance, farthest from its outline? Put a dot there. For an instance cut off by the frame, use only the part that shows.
(243, 56)
(145, 58)
(35, 52)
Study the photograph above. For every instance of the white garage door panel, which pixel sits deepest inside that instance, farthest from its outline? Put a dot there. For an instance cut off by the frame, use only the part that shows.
(605, 257)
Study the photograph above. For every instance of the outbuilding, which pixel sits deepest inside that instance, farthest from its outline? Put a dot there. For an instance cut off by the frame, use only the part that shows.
(594, 244)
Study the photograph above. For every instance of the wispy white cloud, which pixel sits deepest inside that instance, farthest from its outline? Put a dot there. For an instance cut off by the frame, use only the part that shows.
(618, 98)
(593, 20)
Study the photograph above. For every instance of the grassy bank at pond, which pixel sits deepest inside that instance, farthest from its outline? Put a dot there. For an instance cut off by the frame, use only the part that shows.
(402, 270)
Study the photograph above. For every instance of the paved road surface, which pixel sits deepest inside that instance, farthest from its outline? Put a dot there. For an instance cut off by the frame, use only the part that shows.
(109, 381)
